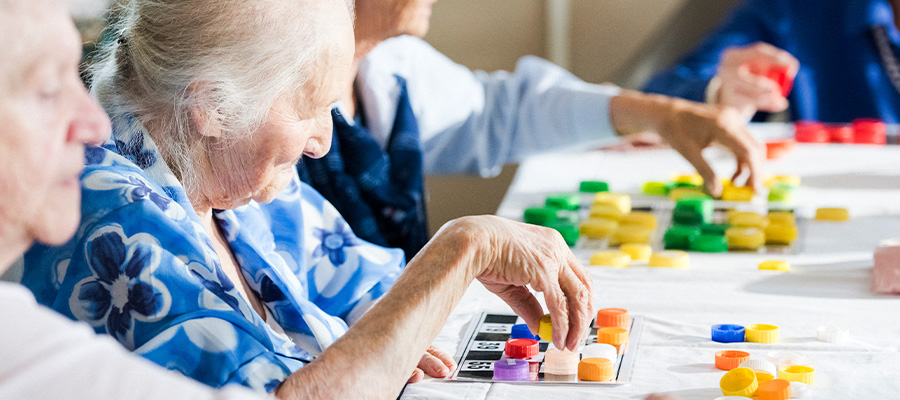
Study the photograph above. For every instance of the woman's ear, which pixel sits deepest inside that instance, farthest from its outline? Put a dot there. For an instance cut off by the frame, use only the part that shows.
(205, 119)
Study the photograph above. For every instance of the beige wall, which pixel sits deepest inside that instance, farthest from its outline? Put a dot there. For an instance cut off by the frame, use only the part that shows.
(619, 41)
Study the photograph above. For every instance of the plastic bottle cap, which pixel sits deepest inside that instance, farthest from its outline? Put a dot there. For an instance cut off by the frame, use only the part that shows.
(778, 148)
(745, 238)
(763, 376)
(613, 317)
(747, 219)
(595, 370)
(781, 217)
(521, 331)
(781, 233)
(775, 389)
(693, 179)
(521, 348)
(728, 360)
(811, 132)
(676, 193)
(631, 234)
(781, 193)
(840, 133)
(607, 211)
(761, 333)
(615, 259)
(511, 369)
(797, 373)
(593, 187)
(600, 350)
(714, 229)
(569, 232)
(655, 189)
(832, 334)
(775, 265)
(779, 74)
(739, 382)
(727, 333)
(799, 389)
(620, 201)
(709, 244)
(737, 193)
(612, 335)
(759, 366)
(679, 237)
(571, 202)
(775, 357)
(670, 259)
(598, 228)
(869, 131)
(545, 331)
(643, 219)
(687, 216)
(539, 215)
(560, 362)
(637, 251)
(832, 214)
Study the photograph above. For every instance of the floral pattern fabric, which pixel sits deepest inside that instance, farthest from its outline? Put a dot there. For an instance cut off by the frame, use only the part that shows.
(142, 269)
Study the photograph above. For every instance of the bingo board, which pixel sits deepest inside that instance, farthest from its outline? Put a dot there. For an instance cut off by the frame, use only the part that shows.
(487, 335)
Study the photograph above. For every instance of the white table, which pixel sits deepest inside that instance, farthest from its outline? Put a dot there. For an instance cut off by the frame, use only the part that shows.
(828, 285)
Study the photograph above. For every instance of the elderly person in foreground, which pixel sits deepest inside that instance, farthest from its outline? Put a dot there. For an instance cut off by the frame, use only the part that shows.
(412, 111)
(180, 258)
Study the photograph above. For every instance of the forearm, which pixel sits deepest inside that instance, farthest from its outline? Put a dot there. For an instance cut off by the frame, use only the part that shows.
(634, 112)
(375, 358)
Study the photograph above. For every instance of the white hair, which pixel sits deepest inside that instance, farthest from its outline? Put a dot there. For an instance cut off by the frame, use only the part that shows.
(230, 59)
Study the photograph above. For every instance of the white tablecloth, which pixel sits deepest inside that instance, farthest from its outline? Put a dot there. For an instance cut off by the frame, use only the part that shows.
(828, 285)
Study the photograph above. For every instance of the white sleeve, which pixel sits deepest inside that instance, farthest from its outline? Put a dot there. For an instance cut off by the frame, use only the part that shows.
(46, 356)
(476, 122)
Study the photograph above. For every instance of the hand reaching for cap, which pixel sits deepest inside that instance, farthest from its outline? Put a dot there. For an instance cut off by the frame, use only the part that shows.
(743, 81)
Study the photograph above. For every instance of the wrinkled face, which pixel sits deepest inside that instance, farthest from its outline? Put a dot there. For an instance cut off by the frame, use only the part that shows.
(388, 18)
(46, 116)
(260, 166)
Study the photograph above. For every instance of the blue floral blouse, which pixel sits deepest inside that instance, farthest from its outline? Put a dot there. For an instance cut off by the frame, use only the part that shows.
(142, 269)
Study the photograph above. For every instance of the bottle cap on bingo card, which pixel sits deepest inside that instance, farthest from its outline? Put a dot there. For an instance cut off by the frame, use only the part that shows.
(709, 244)
(832, 334)
(612, 335)
(745, 238)
(600, 350)
(620, 201)
(571, 202)
(781, 193)
(728, 360)
(759, 366)
(811, 132)
(779, 74)
(598, 228)
(595, 369)
(539, 215)
(832, 214)
(797, 373)
(637, 251)
(727, 333)
(521, 348)
(521, 331)
(781, 233)
(511, 369)
(747, 219)
(737, 193)
(606, 211)
(631, 234)
(714, 229)
(781, 217)
(593, 187)
(739, 382)
(655, 189)
(869, 131)
(643, 219)
(680, 237)
(775, 389)
(670, 259)
(545, 331)
(560, 362)
(761, 333)
(840, 133)
(616, 259)
(613, 317)
(569, 232)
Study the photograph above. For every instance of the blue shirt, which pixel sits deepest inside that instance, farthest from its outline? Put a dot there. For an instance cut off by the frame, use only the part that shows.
(142, 269)
(841, 75)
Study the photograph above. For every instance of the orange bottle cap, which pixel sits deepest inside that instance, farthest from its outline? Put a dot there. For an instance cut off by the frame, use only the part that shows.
(775, 389)
(595, 370)
(730, 359)
(612, 335)
(613, 317)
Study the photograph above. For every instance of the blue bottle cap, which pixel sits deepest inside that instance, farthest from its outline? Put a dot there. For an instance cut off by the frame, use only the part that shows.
(727, 333)
(520, 331)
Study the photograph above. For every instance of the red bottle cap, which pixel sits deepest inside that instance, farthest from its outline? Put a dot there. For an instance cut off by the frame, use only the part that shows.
(779, 74)
(811, 132)
(869, 131)
(840, 133)
(521, 348)
(776, 149)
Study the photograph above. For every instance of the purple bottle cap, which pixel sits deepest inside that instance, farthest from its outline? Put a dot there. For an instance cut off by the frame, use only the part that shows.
(511, 369)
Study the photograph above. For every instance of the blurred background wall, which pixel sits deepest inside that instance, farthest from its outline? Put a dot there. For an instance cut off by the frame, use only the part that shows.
(617, 41)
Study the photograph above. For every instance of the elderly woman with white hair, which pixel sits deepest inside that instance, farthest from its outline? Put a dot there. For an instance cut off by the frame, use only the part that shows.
(412, 111)
(200, 250)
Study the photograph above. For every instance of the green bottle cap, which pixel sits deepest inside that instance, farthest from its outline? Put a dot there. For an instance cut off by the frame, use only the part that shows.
(593, 187)
(714, 229)
(540, 215)
(564, 201)
(569, 232)
(710, 244)
(655, 189)
(687, 216)
(679, 237)
(780, 192)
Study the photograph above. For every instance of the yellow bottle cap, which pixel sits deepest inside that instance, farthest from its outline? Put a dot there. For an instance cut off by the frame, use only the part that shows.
(790, 180)
(670, 259)
(637, 251)
(761, 333)
(615, 259)
(781, 217)
(691, 179)
(605, 211)
(737, 193)
(748, 219)
(739, 382)
(797, 373)
(620, 201)
(745, 238)
(545, 330)
(677, 193)
(640, 218)
(598, 228)
(775, 265)
(595, 370)
(612, 335)
(781, 233)
(763, 376)
(832, 214)
(631, 234)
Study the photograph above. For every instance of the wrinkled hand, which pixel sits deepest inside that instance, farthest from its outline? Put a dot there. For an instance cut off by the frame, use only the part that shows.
(514, 255)
(436, 363)
(742, 74)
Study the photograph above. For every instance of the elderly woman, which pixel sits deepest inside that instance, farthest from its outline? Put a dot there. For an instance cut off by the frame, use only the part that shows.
(45, 117)
(180, 259)
(413, 111)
